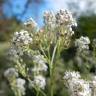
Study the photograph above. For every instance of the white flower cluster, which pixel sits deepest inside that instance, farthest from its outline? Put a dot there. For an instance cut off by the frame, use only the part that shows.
(39, 66)
(82, 43)
(93, 86)
(61, 24)
(20, 40)
(16, 83)
(11, 73)
(20, 84)
(39, 82)
(30, 23)
(76, 85)
(40, 63)
(71, 75)
(62, 17)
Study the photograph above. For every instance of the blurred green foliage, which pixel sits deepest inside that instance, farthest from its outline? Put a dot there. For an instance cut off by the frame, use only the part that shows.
(87, 26)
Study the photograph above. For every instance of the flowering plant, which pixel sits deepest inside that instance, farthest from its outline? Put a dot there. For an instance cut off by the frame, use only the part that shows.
(36, 54)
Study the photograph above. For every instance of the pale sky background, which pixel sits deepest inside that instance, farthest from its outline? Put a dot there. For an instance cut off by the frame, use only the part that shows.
(36, 10)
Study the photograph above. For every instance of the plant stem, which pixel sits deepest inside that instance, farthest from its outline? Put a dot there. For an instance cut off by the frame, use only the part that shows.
(53, 55)
(51, 71)
(37, 92)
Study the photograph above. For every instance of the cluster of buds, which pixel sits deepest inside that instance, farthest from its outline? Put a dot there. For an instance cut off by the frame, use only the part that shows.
(64, 17)
(49, 19)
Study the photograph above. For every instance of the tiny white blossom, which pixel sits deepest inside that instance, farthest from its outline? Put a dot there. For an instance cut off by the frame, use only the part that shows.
(13, 53)
(30, 23)
(69, 32)
(10, 73)
(20, 85)
(82, 43)
(93, 86)
(40, 63)
(39, 81)
(40, 67)
(71, 75)
(22, 38)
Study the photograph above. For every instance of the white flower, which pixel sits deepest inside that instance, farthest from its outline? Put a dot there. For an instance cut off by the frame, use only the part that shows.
(11, 73)
(80, 87)
(39, 63)
(40, 67)
(30, 23)
(22, 38)
(39, 81)
(64, 17)
(13, 53)
(71, 75)
(84, 40)
(82, 43)
(93, 86)
(20, 85)
(68, 31)
(76, 85)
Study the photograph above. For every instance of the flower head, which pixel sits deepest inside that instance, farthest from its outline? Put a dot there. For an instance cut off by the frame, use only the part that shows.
(20, 85)
(39, 81)
(22, 38)
(39, 63)
(64, 17)
(82, 43)
(30, 23)
(76, 85)
(71, 75)
(11, 73)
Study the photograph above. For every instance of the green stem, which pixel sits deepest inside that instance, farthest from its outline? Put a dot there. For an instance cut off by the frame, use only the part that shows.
(42, 93)
(51, 71)
(37, 92)
(53, 55)
(42, 50)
